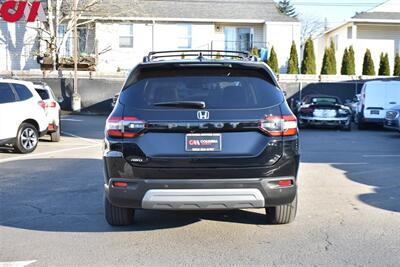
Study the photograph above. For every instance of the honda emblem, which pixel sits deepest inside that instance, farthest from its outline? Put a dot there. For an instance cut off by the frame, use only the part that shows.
(203, 115)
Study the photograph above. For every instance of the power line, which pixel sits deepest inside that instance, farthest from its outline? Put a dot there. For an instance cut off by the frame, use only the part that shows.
(344, 4)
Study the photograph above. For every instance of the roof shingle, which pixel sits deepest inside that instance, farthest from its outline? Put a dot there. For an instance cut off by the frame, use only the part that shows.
(191, 9)
(378, 15)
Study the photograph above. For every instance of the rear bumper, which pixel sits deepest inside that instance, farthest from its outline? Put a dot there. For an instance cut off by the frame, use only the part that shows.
(200, 193)
(372, 120)
(324, 121)
(392, 124)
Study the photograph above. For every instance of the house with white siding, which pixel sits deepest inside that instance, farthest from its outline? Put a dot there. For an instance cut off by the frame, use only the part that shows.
(120, 33)
(128, 30)
(377, 29)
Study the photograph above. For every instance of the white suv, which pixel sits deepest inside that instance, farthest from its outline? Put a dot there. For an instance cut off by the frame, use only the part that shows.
(52, 109)
(22, 115)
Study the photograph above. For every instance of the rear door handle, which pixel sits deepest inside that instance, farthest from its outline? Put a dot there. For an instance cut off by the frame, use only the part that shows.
(392, 103)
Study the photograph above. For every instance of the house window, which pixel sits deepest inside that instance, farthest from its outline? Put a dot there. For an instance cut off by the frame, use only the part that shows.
(350, 32)
(184, 36)
(336, 42)
(64, 40)
(125, 35)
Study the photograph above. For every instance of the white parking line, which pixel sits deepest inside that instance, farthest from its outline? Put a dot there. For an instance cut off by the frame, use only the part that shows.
(346, 163)
(65, 119)
(16, 263)
(81, 138)
(380, 156)
(47, 153)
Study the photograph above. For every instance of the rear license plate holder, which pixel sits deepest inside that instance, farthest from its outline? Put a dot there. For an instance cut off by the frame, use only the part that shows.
(203, 142)
(374, 112)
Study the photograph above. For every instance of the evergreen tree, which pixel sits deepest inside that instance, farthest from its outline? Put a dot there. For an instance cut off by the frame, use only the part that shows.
(285, 7)
(273, 61)
(325, 62)
(396, 71)
(384, 68)
(308, 64)
(332, 55)
(345, 63)
(255, 52)
(368, 64)
(352, 62)
(293, 64)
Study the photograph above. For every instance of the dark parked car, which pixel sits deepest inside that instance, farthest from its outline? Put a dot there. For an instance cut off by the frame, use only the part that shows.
(201, 134)
(392, 119)
(322, 110)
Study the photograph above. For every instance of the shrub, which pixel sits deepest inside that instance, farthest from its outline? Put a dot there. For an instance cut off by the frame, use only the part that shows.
(332, 55)
(384, 68)
(273, 61)
(396, 71)
(368, 64)
(255, 52)
(352, 62)
(308, 64)
(345, 63)
(329, 60)
(293, 64)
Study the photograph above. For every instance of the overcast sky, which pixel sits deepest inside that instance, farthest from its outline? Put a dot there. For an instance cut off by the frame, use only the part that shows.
(335, 11)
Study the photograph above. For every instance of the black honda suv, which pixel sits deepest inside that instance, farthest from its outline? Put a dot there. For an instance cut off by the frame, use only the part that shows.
(201, 132)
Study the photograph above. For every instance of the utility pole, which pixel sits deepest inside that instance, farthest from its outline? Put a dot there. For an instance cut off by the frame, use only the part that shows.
(76, 99)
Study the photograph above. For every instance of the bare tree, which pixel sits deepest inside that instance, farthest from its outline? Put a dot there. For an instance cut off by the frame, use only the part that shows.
(311, 26)
(59, 13)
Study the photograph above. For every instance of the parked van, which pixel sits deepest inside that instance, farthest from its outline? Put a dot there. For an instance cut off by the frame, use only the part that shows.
(377, 97)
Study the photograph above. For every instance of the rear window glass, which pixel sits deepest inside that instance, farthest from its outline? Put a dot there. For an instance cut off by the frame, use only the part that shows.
(22, 92)
(6, 94)
(44, 94)
(324, 100)
(218, 92)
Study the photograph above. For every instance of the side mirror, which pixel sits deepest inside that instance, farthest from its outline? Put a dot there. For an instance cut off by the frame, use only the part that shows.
(284, 93)
(60, 99)
(347, 101)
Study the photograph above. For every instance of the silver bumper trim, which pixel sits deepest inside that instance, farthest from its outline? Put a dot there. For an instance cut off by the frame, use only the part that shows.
(202, 199)
(323, 119)
(113, 154)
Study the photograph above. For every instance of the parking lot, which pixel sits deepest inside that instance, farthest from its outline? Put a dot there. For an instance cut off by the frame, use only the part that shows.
(51, 209)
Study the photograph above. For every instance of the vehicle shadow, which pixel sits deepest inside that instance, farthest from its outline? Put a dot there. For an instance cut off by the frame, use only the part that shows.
(367, 157)
(86, 126)
(66, 195)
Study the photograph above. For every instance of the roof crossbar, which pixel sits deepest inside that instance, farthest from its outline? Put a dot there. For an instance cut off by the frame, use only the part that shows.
(199, 54)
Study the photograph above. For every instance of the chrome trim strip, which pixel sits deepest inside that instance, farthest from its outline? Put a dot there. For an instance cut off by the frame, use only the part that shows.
(203, 199)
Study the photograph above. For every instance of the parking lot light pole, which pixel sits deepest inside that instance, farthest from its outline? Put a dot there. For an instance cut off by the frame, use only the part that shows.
(76, 99)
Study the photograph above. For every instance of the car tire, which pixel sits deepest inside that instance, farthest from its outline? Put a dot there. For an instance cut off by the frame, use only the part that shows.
(282, 214)
(346, 128)
(117, 216)
(27, 138)
(56, 136)
(361, 126)
(302, 125)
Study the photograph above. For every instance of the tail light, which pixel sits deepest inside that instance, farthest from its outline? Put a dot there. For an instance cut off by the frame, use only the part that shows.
(124, 127)
(52, 104)
(279, 125)
(42, 104)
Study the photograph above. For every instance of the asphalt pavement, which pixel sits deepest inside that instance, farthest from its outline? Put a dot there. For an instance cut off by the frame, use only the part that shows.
(51, 210)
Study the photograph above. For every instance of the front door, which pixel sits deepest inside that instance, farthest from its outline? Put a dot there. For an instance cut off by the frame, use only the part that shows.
(238, 39)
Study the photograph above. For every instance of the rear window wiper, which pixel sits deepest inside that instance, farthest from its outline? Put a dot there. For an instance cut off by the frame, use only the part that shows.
(182, 104)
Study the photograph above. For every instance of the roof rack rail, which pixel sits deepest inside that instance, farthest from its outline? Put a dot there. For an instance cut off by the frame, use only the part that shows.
(199, 54)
